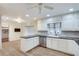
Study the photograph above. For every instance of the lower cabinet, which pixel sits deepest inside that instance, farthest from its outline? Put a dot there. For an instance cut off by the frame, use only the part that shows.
(36, 42)
(28, 44)
(49, 43)
(60, 45)
(54, 44)
(64, 46)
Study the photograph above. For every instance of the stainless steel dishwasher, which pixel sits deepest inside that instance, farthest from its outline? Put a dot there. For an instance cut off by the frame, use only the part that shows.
(42, 37)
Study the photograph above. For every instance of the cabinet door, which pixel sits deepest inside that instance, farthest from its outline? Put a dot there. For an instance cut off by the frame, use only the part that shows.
(26, 44)
(35, 41)
(48, 45)
(68, 46)
(54, 43)
(62, 45)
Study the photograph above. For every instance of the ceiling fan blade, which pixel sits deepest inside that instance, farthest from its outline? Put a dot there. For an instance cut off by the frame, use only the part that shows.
(32, 7)
(39, 9)
(40, 4)
(48, 7)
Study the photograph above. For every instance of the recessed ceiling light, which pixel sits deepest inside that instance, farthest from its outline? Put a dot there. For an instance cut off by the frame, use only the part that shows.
(27, 15)
(48, 15)
(71, 9)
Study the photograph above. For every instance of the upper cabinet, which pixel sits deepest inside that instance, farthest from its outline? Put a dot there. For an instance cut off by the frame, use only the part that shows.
(70, 22)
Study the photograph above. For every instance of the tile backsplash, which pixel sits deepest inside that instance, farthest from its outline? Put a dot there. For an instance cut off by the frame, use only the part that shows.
(70, 33)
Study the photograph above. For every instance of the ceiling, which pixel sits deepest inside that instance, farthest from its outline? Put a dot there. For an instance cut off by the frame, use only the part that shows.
(21, 9)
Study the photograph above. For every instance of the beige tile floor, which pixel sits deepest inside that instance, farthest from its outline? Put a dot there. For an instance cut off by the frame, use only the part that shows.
(13, 49)
(40, 51)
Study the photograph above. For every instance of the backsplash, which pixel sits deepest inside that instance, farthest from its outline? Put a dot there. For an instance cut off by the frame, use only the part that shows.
(70, 33)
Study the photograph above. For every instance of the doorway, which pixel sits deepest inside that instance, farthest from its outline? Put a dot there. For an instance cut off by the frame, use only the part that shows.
(5, 34)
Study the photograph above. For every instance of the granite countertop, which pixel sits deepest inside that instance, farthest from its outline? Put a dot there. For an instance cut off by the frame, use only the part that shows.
(60, 37)
(75, 38)
(64, 37)
(31, 36)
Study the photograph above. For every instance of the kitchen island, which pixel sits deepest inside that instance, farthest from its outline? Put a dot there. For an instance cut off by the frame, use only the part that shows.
(64, 44)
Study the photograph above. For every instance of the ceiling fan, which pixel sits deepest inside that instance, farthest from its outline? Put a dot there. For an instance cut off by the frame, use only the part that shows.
(40, 6)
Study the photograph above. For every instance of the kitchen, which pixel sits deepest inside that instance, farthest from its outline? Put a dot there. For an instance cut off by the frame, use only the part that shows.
(49, 26)
(63, 37)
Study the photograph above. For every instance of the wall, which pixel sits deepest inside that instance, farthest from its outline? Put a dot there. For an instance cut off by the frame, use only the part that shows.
(42, 24)
(12, 25)
(0, 35)
(70, 33)
(70, 23)
(29, 28)
(16, 35)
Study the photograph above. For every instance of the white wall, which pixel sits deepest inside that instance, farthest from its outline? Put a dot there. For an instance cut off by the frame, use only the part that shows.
(41, 25)
(29, 30)
(16, 35)
(12, 25)
(0, 35)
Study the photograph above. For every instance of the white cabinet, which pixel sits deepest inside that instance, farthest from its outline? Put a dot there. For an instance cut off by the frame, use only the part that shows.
(36, 41)
(51, 43)
(27, 44)
(54, 44)
(70, 22)
(63, 45)
(60, 45)
(48, 45)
